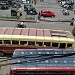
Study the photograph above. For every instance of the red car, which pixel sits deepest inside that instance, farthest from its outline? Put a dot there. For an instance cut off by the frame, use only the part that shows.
(47, 13)
(73, 31)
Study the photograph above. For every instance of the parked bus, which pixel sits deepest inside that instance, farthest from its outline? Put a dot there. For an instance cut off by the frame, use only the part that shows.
(25, 38)
(43, 62)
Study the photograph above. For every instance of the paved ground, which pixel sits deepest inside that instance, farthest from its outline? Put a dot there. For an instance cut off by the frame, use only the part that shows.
(47, 4)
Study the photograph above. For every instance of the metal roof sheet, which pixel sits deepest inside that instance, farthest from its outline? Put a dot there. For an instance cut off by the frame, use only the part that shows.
(32, 32)
(17, 31)
(40, 32)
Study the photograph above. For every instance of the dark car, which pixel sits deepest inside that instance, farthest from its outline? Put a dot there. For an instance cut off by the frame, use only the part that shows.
(27, 6)
(4, 6)
(31, 11)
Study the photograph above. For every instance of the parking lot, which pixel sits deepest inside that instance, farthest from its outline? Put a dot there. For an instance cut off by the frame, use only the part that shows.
(50, 5)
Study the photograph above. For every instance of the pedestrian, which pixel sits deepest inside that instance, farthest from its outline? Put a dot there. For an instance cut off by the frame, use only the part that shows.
(22, 23)
(32, 1)
(38, 17)
(42, 0)
(35, 2)
(72, 22)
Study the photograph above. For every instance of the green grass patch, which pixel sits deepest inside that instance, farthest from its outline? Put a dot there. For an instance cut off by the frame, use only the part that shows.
(30, 18)
(12, 17)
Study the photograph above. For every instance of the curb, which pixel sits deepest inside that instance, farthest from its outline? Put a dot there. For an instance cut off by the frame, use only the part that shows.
(4, 19)
(33, 21)
(59, 20)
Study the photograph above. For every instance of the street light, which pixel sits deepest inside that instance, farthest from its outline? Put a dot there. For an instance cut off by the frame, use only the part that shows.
(16, 5)
(17, 8)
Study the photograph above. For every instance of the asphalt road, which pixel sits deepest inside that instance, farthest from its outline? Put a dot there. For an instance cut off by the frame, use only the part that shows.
(41, 24)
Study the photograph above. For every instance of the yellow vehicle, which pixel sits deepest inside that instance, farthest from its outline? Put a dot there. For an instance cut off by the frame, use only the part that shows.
(31, 38)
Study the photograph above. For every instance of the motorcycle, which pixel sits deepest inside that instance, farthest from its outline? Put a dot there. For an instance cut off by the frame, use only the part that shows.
(21, 25)
(65, 12)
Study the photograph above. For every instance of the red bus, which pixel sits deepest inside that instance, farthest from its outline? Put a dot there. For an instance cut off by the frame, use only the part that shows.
(26, 38)
(43, 62)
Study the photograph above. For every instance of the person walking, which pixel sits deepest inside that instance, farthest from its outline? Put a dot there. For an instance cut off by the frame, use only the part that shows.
(38, 17)
(72, 22)
(35, 2)
(41, 0)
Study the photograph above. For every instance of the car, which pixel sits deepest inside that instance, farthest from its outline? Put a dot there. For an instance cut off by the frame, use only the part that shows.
(27, 6)
(31, 11)
(47, 13)
(73, 30)
(4, 6)
(65, 6)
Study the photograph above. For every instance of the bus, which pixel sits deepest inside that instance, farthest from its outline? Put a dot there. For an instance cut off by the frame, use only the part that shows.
(43, 62)
(32, 38)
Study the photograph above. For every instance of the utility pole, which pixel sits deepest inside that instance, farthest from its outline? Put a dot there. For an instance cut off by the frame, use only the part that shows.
(18, 7)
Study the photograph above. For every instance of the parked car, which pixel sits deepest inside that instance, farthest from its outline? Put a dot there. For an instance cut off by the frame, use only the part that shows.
(27, 6)
(25, 1)
(4, 6)
(47, 13)
(31, 11)
(65, 6)
(73, 30)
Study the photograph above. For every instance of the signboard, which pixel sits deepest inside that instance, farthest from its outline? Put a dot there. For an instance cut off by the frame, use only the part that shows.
(18, 13)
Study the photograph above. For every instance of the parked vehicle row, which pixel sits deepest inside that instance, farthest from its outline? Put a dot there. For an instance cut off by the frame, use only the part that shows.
(66, 4)
(30, 9)
(4, 6)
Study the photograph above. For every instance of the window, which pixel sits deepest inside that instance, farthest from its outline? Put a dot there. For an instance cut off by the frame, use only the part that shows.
(55, 44)
(47, 43)
(15, 42)
(31, 43)
(0, 41)
(7, 42)
(22, 53)
(49, 12)
(39, 43)
(23, 42)
(69, 45)
(62, 45)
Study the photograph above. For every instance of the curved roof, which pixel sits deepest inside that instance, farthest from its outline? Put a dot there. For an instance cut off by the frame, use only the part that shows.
(34, 34)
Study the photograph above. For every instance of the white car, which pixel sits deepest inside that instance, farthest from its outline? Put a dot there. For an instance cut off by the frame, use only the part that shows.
(24, 1)
(65, 5)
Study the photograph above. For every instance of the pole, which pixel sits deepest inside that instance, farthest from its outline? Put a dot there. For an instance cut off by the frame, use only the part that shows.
(16, 5)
